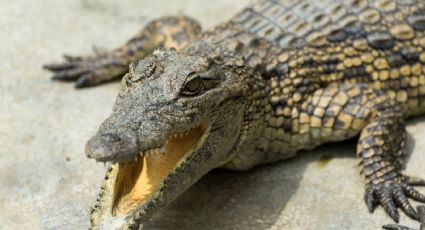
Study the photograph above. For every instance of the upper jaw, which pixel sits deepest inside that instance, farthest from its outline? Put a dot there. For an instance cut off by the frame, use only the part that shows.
(124, 148)
(112, 146)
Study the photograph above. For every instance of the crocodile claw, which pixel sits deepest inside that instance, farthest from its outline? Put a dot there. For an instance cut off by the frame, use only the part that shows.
(87, 71)
(393, 196)
(421, 211)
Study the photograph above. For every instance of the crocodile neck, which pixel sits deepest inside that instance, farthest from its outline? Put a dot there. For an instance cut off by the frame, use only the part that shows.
(231, 44)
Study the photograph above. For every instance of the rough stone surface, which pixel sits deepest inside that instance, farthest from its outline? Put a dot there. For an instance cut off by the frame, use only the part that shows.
(46, 182)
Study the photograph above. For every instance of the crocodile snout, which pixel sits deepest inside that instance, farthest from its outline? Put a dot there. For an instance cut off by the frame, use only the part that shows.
(112, 146)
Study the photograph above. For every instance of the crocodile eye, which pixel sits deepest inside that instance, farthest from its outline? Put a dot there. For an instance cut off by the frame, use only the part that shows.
(193, 86)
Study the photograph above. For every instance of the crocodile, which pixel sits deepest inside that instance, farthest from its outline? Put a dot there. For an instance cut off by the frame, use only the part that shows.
(279, 77)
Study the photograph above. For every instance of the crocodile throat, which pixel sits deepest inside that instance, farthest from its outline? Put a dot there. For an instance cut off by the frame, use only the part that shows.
(136, 181)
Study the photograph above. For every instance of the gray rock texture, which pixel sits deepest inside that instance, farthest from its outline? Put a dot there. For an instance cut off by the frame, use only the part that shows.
(46, 182)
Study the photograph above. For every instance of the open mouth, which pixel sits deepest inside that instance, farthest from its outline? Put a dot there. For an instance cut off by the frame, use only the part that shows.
(136, 181)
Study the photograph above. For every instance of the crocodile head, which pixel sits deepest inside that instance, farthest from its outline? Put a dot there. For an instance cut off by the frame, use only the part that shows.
(177, 117)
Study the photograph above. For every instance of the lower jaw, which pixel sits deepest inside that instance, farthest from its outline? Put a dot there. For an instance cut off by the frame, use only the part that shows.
(138, 181)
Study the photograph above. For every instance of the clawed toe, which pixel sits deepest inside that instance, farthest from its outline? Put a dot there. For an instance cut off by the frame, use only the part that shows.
(414, 194)
(421, 218)
(59, 67)
(414, 181)
(84, 81)
(68, 75)
(370, 200)
(88, 71)
(393, 196)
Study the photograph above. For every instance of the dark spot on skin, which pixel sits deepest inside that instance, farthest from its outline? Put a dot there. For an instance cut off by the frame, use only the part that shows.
(369, 141)
(330, 65)
(295, 42)
(339, 124)
(329, 114)
(287, 125)
(281, 103)
(255, 23)
(282, 69)
(349, 110)
(275, 71)
(67, 158)
(396, 60)
(337, 35)
(254, 43)
(326, 118)
(404, 84)
(310, 109)
(353, 27)
(328, 69)
(380, 40)
(333, 60)
(417, 21)
(355, 72)
(309, 62)
(319, 19)
(409, 54)
(239, 48)
(305, 6)
(269, 31)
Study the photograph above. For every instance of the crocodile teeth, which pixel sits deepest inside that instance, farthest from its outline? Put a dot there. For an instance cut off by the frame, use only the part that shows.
(154, 151)
(161, 150)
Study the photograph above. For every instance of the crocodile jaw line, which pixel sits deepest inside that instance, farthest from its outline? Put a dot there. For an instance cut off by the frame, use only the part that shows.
(131, 184)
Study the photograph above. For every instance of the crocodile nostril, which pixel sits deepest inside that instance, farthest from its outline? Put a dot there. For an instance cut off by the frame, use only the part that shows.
(111, 137)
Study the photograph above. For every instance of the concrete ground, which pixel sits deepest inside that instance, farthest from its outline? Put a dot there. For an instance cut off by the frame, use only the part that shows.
(46, 182)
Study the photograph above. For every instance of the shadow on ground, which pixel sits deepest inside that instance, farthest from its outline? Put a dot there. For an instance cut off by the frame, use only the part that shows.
(253, 199)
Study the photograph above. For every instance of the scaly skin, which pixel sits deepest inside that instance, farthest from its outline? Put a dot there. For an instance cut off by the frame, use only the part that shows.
(280, 77)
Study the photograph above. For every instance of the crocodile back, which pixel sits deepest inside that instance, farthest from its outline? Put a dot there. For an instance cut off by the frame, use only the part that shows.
(297, 23)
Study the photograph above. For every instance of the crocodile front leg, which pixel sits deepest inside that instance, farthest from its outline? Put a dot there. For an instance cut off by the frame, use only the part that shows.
(167, 32)
(338, 113)
(381, 149)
